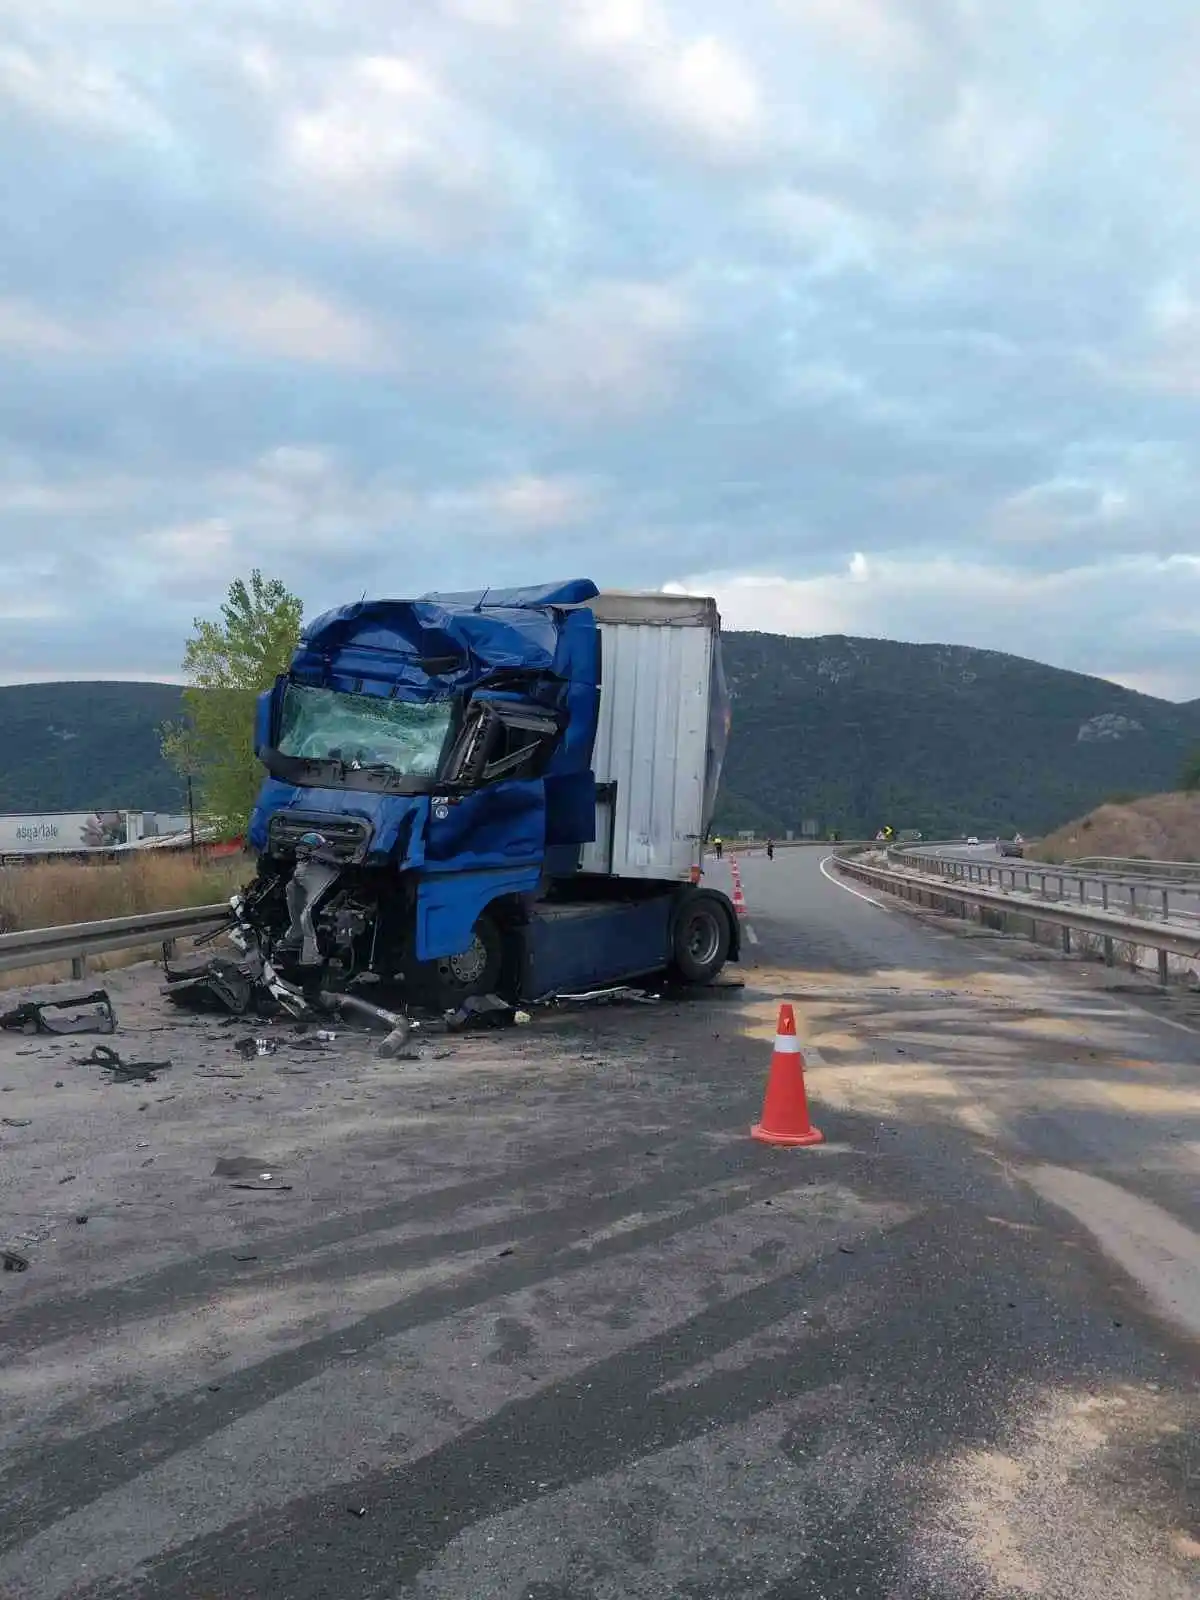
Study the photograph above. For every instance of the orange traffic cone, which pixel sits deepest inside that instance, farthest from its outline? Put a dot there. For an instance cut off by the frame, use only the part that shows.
(785, 1107)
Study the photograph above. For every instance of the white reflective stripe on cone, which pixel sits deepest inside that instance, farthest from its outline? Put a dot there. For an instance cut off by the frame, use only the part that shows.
(787, 1044)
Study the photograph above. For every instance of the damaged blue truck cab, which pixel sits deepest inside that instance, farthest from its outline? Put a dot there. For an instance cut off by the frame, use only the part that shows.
(503, 791)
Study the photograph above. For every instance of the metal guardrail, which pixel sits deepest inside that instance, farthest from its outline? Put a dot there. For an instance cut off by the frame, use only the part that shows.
(76, 941)
(1145, 896)
(1167, 939)
(1139, 867)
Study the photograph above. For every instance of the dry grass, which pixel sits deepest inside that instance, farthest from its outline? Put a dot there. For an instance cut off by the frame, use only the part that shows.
(46, 894)
(1162, 827)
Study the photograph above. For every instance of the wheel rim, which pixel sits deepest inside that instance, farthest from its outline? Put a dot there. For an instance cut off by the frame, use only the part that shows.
(703, 937)
(468, 967)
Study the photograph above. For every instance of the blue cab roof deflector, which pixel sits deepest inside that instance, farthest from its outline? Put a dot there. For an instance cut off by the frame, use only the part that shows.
(451, 641)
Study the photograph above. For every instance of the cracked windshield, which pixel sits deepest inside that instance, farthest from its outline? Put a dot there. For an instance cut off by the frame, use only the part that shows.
(364, 730)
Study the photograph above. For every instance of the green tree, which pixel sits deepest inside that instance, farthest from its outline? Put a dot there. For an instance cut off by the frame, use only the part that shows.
(1189, 778)
(228, 663)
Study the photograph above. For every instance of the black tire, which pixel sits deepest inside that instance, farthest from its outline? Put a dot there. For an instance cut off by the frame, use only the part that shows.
(701, 939)
(444, 984)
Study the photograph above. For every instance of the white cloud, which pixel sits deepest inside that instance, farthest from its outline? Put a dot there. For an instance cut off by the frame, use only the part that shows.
(90, 95)
(523, 504)
(1089, 617)
(274, 317)
(884, 33)
(605, 24)
(298, 497)
(1057, 510)
(189, 554)
(611, 350)
(379, 143)
(393, 295)
(701, 88)
(25, 327)
(710, 92)
(831, 235)
(1167, 355)
(25, 493)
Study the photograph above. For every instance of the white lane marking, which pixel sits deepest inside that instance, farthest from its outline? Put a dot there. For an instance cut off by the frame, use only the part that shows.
(857, 893)
(750, 934)
(1131, 1008)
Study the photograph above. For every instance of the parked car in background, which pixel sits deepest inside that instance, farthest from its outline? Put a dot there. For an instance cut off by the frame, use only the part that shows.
(1011, 847)
(973, 840)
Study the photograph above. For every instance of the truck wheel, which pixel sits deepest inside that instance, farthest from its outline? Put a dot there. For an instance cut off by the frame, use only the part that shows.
(444, 984)
(701, 940)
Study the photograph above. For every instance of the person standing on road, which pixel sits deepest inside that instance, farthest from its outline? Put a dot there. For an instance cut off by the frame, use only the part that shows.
(719, 846)
(770, 849)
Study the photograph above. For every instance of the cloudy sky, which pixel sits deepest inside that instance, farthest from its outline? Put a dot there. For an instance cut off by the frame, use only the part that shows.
(875, 316)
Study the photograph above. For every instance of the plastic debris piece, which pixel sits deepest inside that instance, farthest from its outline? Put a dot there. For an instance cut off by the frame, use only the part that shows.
(249, 1172)
(17, 1122)
(609, 996)
(218, 985)
(14, 1262)
(84, 1013)
(481, 1011)
(120, 1071)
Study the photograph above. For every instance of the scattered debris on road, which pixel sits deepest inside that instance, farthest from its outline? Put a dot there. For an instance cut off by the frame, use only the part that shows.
(17, 1122)
(619, 992)
(220, 984)
(249, 1172)
(250, 1047)
(85, 1013)
(13, 1262)
(482, 1011)
(121, 1071)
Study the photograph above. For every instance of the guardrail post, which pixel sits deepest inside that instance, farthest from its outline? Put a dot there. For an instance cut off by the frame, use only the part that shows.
(1062, 887)
(170, 948)
(1066, 941)
(1166, 905)
(1163, 971)
(78, 968)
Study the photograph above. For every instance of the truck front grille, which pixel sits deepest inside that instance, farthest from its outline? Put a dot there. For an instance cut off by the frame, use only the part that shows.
(348, 837)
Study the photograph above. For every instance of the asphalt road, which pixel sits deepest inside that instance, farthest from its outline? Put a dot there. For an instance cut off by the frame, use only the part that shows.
(537, 1320)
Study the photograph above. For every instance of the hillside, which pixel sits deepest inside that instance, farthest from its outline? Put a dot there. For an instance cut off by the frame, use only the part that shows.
(855, 732)
(86, 747)
(847, 732)
(1161, 827)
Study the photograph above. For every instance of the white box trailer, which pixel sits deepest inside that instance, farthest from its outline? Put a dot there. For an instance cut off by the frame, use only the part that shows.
(661, 732)
(39, 833)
